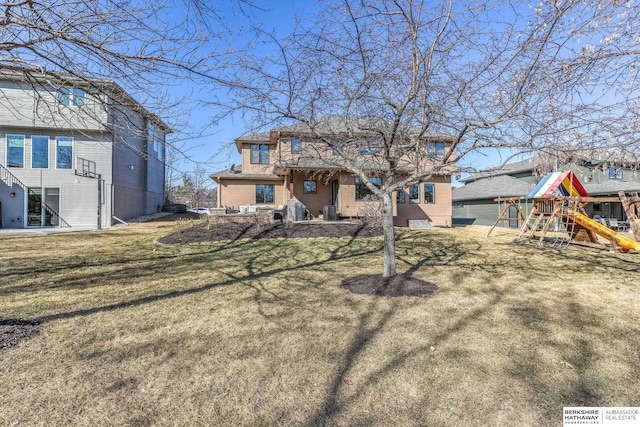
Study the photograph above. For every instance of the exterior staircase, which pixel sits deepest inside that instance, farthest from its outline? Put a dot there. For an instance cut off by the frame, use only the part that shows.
(10, 179)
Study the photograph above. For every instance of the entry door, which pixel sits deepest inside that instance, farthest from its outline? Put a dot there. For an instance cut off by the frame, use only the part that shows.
(334, 192)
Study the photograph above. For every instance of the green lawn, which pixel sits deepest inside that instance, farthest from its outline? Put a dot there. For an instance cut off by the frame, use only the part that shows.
(259, 333)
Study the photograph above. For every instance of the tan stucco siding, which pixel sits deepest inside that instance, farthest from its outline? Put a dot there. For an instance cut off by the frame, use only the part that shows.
(313, 202)
(248, 167)
(438, 213)
(236, 192)
(348, 206)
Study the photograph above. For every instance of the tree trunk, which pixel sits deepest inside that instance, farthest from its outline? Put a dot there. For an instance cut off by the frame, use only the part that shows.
(389, 269)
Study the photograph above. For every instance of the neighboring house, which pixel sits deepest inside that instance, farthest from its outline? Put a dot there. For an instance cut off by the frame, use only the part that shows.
(474, 202)
(76, 152)
(293, 164)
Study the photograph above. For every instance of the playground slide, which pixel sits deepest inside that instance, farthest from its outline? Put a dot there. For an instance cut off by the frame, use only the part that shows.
(604, 231)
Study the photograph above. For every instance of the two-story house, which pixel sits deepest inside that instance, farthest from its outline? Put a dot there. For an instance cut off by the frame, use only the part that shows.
(602, 176)
(294, 163)
(76, 152)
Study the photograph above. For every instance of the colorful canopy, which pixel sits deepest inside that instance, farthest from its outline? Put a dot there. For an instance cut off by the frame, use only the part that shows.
(558, 184)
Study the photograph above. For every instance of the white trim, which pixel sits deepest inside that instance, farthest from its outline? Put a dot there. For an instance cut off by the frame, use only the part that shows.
(24, 151)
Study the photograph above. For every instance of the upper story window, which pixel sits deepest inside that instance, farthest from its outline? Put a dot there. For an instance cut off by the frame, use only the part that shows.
(259, 154)
(39, 152)
(615, 173)
(370, 146)
(362, 191)
(156, 137)
(400, 196)
(435, 149)
(64, 152)
(335, 145)
(15, 151)
(296, 145)
(68, 96)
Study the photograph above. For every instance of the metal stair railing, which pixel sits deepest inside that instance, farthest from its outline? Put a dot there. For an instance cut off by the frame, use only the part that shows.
(10, 179)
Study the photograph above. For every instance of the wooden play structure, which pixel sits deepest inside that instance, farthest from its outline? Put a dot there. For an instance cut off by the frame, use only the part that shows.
(558, 216)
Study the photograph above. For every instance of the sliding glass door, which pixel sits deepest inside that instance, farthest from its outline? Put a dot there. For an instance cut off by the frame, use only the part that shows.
(43, 211)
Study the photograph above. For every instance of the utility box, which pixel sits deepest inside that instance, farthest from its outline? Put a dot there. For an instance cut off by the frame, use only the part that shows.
(329, 213)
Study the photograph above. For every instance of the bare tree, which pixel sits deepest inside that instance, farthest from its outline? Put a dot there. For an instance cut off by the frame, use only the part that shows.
(196, 190)
(502, 74)
(114, 50)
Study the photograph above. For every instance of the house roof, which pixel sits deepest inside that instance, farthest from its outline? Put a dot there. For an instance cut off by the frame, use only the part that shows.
(564, 183)
(337, 163)
(236, 173)
(331, 125)
(492, 187)
(526, 165)
(612, 187)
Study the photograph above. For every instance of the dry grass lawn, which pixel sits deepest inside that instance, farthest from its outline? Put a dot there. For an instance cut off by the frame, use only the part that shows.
(259, 333)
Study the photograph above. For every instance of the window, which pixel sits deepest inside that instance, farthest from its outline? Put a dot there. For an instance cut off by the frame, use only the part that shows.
(414, 194)
(309, 187)
(259, 154)
(68, 96)
(335, 145)
(159, 149)
(78, 97)
(64, 152)
(155, 135)
(15, 151)
(64, 94)
(429, 193)
(362, 191)
(435, 149)
(296, 145)
(370, 147)
(265, 193)
(400, 196)
(615, 173)
(39, 152)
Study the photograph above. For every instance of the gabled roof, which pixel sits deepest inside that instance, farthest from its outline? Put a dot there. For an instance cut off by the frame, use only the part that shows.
(490, 188)
(564, 183)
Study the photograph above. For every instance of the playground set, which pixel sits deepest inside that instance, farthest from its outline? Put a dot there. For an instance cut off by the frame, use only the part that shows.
(558, 214)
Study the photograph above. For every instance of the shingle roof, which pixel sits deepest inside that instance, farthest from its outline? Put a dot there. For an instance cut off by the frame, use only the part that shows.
(508, 169)
(611, 186)
(332, 125)
(489, 188)
(337, 163)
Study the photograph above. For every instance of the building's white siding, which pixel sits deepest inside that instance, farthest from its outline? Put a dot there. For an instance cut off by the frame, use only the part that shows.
(25, 106)
(130, 166)
(78, 195)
